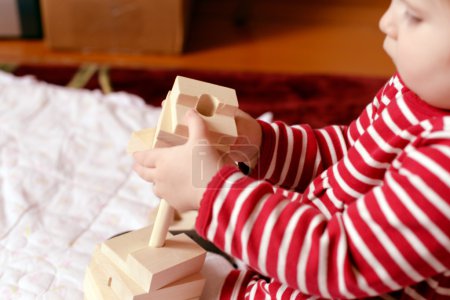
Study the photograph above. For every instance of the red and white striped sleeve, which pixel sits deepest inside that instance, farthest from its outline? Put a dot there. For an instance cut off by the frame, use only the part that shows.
(392, 237)
(292, 156)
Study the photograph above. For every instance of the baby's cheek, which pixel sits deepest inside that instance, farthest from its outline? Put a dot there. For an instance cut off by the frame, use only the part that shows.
(437, 93)
(434, 89)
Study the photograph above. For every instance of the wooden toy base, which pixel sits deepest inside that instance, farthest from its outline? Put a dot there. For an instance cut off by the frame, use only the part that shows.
(105, 281)
(125, 267)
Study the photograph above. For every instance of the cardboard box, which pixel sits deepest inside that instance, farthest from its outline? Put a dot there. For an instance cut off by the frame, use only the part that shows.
(157, 26)
(20, 19)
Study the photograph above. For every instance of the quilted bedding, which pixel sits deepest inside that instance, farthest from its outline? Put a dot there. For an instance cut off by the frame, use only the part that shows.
(66, 182)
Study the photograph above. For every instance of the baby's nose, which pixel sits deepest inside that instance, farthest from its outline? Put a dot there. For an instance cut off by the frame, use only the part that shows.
(388, 23)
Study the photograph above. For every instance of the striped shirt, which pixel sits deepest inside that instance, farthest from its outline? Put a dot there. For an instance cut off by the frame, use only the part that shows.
(341, 212)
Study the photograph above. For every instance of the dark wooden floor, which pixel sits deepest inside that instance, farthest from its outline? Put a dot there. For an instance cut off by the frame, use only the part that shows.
(321, 36)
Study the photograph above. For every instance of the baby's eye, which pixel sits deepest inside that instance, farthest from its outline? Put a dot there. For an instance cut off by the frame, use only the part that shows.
(411, 17)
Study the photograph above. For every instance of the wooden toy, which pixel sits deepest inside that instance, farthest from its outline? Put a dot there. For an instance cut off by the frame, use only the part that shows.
(97, 285)
(215, 104)
(154, 267)
(141, 140)
(105, 277)
(150, 263)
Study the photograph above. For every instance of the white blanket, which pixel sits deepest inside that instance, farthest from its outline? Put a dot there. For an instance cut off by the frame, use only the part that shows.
(66, 182)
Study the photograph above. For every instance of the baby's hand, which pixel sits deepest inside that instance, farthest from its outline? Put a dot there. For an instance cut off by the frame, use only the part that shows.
(180, 173)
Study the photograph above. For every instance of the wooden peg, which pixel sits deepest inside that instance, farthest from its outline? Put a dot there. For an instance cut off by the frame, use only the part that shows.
(164, 218)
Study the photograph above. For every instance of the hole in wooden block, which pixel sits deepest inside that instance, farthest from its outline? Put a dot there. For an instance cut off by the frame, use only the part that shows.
(109, 281)
(207, 105)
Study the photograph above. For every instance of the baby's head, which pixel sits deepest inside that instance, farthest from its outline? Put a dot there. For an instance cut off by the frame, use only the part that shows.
(418, 41)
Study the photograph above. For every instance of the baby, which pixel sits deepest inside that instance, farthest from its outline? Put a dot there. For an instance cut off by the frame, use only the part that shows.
(343, 211)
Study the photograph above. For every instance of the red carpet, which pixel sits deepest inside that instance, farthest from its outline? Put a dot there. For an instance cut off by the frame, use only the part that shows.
(315, 99)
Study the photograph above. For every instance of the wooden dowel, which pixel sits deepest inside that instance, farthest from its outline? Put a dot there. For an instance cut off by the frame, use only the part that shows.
(163, 219)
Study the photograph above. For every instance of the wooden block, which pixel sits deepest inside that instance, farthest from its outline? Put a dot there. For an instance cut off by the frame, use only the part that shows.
(186, 221)
(193, 87)
(127, 289)
(87, 288)
(186, 288)
(141, 140)
(153, 268)
(164, 135)
(113, 277)
(156, 267)
(209, 100)
(217, 105)
(96, 284)
(118, 248)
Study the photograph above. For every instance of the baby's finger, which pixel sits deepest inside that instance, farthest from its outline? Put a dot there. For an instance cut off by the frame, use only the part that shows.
(146, 158)
(148, 174)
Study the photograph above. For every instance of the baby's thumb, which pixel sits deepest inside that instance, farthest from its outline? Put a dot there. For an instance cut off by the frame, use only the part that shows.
(196, 125)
